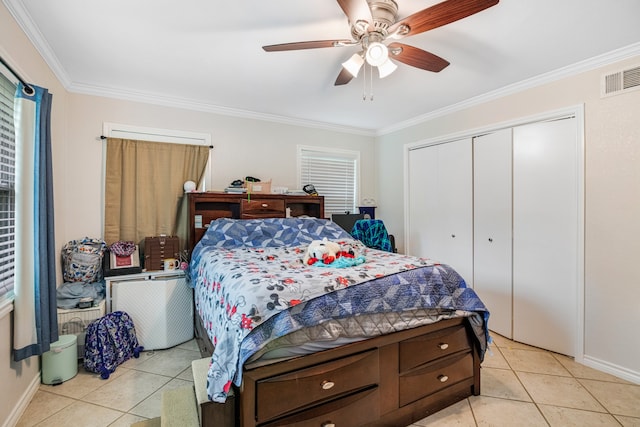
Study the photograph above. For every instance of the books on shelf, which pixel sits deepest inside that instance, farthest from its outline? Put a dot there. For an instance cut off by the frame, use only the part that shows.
(235, 190)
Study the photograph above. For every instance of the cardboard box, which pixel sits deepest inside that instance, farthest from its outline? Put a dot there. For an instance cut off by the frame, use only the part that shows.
(260, 187)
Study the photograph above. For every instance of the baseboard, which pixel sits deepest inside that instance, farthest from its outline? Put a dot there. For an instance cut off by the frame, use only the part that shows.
(610, 368)
(22, 404)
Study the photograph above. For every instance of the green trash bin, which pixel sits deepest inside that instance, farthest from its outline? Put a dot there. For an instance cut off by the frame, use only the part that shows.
(60, 363)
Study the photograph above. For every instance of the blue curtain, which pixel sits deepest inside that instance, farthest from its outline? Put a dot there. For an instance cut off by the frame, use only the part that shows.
(35, 324)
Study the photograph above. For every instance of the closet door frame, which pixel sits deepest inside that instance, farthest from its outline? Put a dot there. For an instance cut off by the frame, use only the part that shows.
(576, 111)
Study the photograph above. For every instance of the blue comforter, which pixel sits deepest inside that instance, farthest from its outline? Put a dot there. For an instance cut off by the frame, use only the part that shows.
(252, 287)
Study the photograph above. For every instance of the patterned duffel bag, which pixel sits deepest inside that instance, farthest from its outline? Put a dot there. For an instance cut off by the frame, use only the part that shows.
(110, 341)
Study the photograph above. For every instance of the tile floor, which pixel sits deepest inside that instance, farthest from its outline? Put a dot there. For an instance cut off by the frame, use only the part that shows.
(521, 386)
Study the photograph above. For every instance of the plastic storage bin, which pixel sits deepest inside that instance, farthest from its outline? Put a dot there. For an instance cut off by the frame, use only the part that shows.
(60, 363)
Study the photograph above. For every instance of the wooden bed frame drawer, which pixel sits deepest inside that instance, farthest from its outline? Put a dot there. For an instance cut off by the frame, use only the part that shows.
(427, 348)
(435, 377)
(351, 411)
(262, 208)
(291, 392)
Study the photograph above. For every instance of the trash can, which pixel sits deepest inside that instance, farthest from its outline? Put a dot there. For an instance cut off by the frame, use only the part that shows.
(60, 363)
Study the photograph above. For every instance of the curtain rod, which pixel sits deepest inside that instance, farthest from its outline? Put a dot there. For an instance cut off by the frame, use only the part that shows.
(27, 87)
(105, 137)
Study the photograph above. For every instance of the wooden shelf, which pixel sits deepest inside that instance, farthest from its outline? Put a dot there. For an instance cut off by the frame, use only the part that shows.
(205, 207)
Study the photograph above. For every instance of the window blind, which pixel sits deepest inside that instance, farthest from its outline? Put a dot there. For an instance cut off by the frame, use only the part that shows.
(334, 174)
(7, 187)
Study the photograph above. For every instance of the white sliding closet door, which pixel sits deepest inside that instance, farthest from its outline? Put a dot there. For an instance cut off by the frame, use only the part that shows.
(545, 234)
(492, 204)
(440, 205)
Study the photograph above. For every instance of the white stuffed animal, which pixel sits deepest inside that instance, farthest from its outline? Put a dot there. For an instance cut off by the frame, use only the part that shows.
(321, 250)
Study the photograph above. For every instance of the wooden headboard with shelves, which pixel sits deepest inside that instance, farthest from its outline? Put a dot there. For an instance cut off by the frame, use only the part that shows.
(207, 206)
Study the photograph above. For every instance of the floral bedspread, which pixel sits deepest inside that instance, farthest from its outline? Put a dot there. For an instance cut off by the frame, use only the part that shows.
(251, 287)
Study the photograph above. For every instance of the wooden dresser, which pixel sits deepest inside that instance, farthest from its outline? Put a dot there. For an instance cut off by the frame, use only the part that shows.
(390, 380)
(205, 207)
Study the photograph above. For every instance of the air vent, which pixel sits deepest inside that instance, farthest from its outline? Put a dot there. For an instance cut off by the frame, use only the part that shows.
(620, 82)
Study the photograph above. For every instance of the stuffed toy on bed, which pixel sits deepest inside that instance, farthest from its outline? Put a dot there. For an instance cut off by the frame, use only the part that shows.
(325, 253)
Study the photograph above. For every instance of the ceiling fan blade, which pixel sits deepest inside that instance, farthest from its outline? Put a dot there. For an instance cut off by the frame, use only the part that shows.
(417, 57)
(307, 45)
(440, 14)
(356, 10)
(343, 78)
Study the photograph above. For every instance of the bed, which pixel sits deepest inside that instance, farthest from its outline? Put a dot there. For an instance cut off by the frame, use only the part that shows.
(381, 339)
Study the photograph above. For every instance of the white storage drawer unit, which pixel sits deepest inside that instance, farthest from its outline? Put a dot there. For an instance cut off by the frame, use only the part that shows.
(75, 321)
(161, 307)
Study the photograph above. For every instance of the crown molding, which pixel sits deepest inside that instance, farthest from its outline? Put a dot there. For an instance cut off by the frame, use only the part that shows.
(568, 71)
(188, 104)
(22, 17)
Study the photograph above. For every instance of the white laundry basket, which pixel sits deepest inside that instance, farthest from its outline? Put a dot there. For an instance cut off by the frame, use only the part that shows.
(60, 363)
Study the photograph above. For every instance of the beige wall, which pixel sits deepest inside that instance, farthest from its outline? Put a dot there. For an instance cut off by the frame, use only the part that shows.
(612, 202)
(242, 147)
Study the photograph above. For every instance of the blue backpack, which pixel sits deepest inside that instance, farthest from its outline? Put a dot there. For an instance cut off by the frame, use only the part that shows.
(110, 341)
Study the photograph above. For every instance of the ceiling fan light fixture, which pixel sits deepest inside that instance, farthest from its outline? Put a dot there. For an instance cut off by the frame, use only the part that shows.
(353, 64)
(377, 54)
(386, 68)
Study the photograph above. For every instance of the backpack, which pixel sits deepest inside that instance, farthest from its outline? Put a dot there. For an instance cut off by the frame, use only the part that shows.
(110, 341)
(82, 260)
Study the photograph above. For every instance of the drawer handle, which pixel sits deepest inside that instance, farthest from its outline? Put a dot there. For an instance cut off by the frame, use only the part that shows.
(328, 424)
(443, 346)
(443, 378)
(326, 385)
(264, 205)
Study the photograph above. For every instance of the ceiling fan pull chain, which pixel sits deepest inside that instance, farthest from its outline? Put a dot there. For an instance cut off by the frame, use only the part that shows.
(370, 83)
(364, 82)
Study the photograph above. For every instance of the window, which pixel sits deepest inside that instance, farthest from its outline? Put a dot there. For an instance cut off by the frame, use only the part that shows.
(141, 133)
(7, 187)
(138, 201)
(335, 175)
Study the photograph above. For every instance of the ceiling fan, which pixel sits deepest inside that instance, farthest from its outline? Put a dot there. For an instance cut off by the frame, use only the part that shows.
(374, 22)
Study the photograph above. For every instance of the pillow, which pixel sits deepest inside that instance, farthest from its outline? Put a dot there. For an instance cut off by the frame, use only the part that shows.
(270, 232)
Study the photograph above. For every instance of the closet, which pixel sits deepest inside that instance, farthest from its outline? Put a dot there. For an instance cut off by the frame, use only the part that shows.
(520, 206)
(492, 226)
(440, 208)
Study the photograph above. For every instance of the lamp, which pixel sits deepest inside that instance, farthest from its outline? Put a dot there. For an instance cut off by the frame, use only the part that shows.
(378, 56)
(386, 68)
(353, 64)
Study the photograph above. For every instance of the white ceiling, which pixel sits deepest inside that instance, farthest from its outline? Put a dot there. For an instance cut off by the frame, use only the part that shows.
(207, 55)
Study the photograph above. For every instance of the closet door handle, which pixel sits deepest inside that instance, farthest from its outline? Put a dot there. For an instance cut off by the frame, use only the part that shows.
(490, 239)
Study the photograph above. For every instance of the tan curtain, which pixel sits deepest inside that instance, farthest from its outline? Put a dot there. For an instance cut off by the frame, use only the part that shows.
(144, 186)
